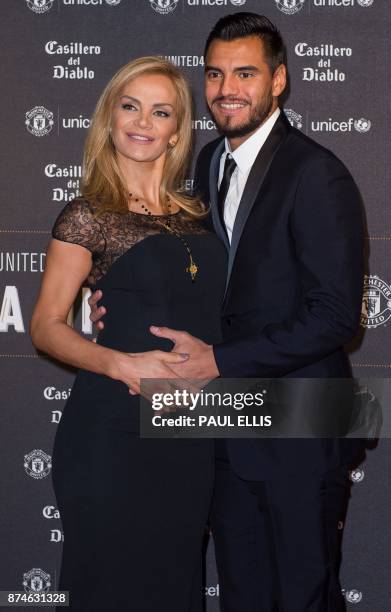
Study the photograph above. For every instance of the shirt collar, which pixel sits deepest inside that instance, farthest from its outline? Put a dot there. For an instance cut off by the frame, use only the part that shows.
(246, 153)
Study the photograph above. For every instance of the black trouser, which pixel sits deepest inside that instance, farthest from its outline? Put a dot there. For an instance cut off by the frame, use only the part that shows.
(277, 542)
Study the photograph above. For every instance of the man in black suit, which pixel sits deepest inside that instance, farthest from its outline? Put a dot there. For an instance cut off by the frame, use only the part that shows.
(290, 216)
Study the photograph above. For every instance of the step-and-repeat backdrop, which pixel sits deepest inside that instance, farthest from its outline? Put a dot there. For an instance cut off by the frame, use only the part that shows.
(57, 56)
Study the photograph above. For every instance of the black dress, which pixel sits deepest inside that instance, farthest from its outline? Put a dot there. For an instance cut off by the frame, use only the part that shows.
(134, 509)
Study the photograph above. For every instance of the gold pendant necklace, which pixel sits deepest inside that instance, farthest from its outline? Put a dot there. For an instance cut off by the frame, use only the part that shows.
(192, 269)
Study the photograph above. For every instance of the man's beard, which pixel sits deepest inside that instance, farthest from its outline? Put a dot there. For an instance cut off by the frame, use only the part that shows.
(257, 116)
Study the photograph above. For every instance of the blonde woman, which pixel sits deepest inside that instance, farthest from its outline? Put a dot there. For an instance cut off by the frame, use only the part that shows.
(133, 510)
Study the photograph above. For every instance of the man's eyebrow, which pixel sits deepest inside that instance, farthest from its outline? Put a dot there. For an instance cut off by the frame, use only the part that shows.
(154, 105)
(250, 68)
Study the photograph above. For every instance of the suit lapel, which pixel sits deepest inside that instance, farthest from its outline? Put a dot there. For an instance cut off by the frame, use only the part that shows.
(253, 185)
(213, 193)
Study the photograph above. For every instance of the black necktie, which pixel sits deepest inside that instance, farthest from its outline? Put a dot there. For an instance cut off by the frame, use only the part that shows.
(229, 167)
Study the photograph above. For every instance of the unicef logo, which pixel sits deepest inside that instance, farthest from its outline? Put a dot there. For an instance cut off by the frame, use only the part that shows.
(40, 6)
(39, 121)
(238, 2)
(365, 2)
(37, 464)
(289, 7)
(113, 2)
(36, 581)
(164, 6)
(376, 303)
(353, 596)
(357, 475)
(362, 125)
(294, 118)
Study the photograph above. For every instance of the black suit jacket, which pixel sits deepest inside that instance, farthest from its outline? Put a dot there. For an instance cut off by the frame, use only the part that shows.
(294, 283)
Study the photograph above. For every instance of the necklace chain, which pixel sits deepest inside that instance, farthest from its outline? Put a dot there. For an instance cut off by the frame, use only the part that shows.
(192, 269)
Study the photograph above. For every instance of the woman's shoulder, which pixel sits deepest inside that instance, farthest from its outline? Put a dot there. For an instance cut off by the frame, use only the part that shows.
(78, 208)
(77, 223)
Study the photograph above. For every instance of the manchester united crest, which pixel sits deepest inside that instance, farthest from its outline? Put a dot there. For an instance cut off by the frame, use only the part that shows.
(40, 6)
(289, 7)
(36, 581)
(294, 118)
(37, 464)
(39, 121)
(376, 304)
(164, 6)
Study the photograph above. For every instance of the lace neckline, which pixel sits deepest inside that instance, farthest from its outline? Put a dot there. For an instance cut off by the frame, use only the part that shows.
(112, 234)
(152, 215)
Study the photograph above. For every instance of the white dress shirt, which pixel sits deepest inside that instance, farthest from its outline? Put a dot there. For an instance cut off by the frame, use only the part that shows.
(244, 157)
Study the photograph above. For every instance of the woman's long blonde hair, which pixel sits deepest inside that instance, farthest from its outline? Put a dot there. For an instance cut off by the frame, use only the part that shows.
(103, 183)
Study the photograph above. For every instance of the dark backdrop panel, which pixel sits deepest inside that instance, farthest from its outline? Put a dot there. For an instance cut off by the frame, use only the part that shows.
(57, 56)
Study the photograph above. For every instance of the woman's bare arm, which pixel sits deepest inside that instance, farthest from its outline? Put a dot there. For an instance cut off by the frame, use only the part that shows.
(67, 266)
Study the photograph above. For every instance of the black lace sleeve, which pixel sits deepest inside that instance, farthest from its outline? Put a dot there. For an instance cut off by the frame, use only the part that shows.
(76, 224)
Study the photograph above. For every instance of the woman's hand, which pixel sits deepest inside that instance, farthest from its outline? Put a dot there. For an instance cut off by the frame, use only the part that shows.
(131, 367)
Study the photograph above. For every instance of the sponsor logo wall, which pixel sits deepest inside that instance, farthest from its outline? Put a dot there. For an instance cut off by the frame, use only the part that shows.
(59, 55)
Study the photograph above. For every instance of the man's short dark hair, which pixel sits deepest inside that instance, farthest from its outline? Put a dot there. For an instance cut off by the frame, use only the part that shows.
(241, 25)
